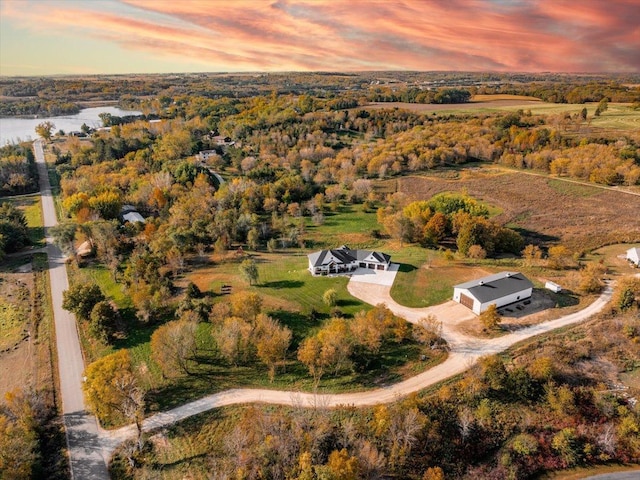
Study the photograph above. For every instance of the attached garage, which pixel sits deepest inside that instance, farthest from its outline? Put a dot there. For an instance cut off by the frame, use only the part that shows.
(499, 289)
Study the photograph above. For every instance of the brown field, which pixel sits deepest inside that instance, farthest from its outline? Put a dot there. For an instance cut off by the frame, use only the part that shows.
(482, 103)
(544, 209)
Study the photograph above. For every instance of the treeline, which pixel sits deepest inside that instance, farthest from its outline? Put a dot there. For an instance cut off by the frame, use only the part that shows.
(41, 108)
(568, 92)
(417, 95)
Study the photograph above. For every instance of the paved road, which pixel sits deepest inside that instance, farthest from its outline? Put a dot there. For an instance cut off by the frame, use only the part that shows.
(463, 354)
(82, 430)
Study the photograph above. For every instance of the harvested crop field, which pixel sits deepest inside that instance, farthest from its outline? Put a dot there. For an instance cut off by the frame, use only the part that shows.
(545, 210)
(524, 102)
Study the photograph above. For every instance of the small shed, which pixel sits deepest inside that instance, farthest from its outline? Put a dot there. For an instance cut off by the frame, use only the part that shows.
(633, 255)
(554, 287)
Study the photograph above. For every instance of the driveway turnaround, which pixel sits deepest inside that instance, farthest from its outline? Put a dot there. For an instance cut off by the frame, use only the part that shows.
(83, 442)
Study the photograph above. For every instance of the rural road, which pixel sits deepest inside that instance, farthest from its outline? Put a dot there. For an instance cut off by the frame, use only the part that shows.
(90, 447)
(82, 429)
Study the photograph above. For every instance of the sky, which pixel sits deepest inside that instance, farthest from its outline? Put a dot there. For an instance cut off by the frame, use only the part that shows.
(47, 37)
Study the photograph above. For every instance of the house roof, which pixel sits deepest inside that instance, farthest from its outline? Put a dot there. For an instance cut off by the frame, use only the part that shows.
(345, 255)
(496, 286)
(133, 217)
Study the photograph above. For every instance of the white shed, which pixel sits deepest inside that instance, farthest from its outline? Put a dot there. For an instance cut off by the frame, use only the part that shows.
(499, 289)
(633, 255)
(554, 287)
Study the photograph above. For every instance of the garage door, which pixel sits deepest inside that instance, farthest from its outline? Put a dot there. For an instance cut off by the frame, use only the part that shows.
(466, 301)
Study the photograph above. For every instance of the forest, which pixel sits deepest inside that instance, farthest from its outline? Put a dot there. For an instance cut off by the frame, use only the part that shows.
(229, 170)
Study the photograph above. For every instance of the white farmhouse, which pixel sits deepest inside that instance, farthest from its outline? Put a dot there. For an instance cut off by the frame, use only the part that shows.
(500, 289)
(343, 260)
(633, 255)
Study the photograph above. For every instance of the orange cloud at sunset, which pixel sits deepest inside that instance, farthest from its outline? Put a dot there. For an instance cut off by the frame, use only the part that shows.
(255, 35)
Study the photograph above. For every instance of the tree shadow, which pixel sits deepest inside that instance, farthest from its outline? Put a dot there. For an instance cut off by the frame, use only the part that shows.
(347, 303)
(283, 284)
(532, 236)
(406, 267)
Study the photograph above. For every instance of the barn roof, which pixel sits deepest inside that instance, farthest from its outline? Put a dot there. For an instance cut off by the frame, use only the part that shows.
(493, 287)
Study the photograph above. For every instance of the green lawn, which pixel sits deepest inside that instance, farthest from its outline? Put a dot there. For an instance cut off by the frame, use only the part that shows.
(350, 225)
(31, 206)
(573, 189)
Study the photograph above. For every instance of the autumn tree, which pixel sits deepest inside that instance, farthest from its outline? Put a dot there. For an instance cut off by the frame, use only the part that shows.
(112, 390)
(249, 271)
(45, 130)
(173, 346)
(591, 278)
(18, 436)
(531, 255)
(81, 298)
(428, 330)
(233, 337)
(310, 354)
(490, 318)
(272, 341)
(330, 297)
(246, 305)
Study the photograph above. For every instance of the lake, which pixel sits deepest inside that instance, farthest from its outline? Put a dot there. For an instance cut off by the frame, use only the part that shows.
(14, 129)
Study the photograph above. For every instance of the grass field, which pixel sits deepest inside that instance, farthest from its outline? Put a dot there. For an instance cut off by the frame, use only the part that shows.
(32, 208)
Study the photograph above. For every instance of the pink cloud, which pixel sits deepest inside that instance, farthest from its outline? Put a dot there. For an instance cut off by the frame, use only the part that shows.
(536, 35)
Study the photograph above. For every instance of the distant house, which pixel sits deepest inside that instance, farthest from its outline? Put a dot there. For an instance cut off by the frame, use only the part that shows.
(343, 260)
(633, 255)
(133, 217)
(204, 155)
(499, 289)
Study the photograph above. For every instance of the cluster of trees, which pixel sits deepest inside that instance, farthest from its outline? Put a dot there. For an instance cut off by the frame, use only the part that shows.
(89, 304)
(448, 216)
(17, 170)
(351, 344)
(14, 233)
(419, 95)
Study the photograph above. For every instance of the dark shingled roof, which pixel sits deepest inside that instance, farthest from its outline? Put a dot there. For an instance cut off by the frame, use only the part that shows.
(496, 286)
(346, 255)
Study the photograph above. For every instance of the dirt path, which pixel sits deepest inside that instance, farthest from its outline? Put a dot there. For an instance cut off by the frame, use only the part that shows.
(465, 351)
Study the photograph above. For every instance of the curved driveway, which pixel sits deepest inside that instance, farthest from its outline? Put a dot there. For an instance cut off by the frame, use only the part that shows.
(465, 351)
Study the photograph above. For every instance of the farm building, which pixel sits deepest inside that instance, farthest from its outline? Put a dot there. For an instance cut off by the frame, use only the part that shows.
(633, 255)
(343, 260)
(500, 289)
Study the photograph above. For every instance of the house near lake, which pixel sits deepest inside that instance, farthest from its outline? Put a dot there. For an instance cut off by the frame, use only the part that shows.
(499, 289)
(345, 260)
(633, 255)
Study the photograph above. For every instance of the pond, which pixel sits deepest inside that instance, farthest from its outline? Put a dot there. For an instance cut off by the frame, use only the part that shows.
(13, 130)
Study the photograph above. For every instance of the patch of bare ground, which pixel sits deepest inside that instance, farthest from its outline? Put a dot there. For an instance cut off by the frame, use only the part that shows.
(541, 212)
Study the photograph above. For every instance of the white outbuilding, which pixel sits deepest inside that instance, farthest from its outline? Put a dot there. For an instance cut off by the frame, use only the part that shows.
(499, 289)
(633, 255)
(553, 286)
